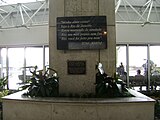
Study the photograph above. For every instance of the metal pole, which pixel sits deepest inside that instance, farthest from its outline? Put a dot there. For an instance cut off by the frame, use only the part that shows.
(44, 58)
(150, 9)
(21, 13)
(148, 64)
(149, 2)
(6, 16)
(7, 67)
(36, 12)
(117, 6)
(24, 64)
(127, 63)
(135, 10)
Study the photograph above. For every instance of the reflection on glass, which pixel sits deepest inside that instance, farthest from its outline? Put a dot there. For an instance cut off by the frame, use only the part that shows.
(137, 59)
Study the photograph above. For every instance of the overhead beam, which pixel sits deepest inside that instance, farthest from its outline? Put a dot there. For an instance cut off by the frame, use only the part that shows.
(32, 16)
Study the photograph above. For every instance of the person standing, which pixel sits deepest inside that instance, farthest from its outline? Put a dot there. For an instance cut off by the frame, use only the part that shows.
(120, 69)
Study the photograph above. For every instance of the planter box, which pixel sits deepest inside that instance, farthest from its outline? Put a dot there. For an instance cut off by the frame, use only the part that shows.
(16, 107)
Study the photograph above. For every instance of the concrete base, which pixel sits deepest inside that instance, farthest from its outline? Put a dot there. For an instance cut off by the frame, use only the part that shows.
(16, 107)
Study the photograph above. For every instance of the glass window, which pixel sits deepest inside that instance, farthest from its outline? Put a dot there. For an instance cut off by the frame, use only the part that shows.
(34, 57)
(46, 56)
(3, 64)
(155, 60)
(16, 62)
(121, 56)
(137, 59)
(18, 59)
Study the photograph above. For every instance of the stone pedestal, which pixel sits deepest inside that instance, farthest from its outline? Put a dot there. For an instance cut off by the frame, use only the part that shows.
(81, 84)
(16, 107)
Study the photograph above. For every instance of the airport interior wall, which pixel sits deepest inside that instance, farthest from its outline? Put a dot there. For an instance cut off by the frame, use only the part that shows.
(39, 35)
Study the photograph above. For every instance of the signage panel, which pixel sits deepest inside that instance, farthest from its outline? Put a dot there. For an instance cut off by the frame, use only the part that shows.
(82, 32)
(76, 67)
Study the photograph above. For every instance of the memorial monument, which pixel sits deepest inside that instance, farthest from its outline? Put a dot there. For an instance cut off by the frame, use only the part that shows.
(81, 34)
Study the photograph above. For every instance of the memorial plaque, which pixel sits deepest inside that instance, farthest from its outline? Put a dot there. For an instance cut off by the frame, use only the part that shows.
(76, 67)
(83, 32)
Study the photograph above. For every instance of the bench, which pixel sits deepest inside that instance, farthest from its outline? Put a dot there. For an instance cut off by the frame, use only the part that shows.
(137, 81)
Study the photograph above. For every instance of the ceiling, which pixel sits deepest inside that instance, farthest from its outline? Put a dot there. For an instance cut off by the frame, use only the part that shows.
(8, 2)
(137, 11)
(36, 12)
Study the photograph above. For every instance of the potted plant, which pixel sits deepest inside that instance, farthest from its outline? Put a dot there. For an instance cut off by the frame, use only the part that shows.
(107, 86)
(3, 91)
(42, 83)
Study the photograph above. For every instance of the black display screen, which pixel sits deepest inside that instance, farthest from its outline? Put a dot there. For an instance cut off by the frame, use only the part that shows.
(82, 32)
